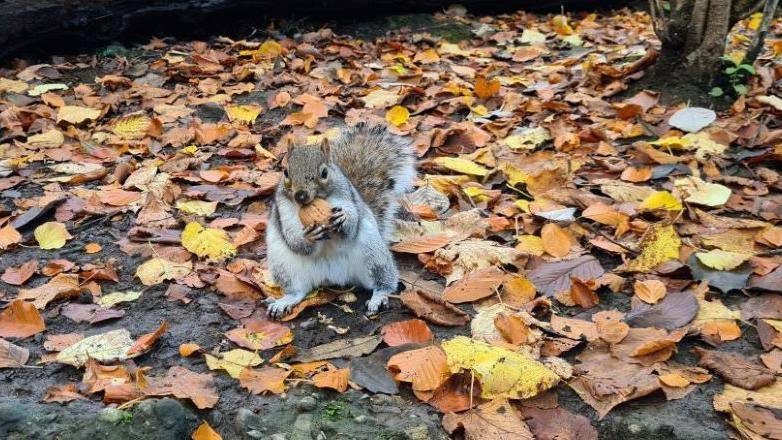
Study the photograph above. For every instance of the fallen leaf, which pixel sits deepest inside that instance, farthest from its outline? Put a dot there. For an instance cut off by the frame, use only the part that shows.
(397, 115)
(425, 368)
(660, 244)
(196, 207)
(692, 119)
(553, 278)
(735, 368)
(76, 115)
(674, 380)
(557, 424)
(185, 384)
(185, 350)
(421, 245)
(676, 310)
(433, 308)
(340, 349)
(157, 270)
(474, 286)
(62, 394)
(243, 114)
(412, 331)
(495, 420)
(556, 241)
(462, 166)
(114, 298)
(19, 275)
(502, 373)
(722, 260)
(9, 237)
(233, 361)
(335, 379)
(52, 235)
(111, 346)
(205, 432)
(12, 356)
(207, 242)
(269, 379)
(145, 342)
(259, 334)
(650, 291)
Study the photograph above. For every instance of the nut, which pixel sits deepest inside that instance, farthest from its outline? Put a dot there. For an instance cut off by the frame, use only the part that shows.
(316, 212)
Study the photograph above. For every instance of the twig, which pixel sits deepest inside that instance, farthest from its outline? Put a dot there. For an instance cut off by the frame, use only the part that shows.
(592, 229)
(757, 42)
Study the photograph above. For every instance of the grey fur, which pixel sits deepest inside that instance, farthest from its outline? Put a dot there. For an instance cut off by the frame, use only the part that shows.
(363, 174)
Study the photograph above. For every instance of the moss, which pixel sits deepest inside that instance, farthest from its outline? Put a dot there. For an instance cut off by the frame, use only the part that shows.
(335, 411)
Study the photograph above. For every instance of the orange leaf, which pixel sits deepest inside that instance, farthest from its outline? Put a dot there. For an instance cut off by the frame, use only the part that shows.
(271, 379)
(335, 379)
(412, 331)
(20, 320)
(512, 328)
(433, 308)
(145, 342)
(62, 393)
(650, 291)
(583, 294)
(186, 350)
(205, 432)
(426, 368)
(422, 245)
(725, 329)
(323, 297)
(18, 275)
(485, 88)
(674, 380)
(454, 394)
(260, 335)
(213, 176)
(92, 248)
(185, 384)
(9, 236)
(632, 174)
(517, 291)
(556, 241)
(474, 286)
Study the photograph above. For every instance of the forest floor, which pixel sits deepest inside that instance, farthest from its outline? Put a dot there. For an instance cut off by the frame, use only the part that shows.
(586, 233)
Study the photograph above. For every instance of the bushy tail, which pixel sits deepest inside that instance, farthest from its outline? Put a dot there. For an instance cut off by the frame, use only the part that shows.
(380, 165)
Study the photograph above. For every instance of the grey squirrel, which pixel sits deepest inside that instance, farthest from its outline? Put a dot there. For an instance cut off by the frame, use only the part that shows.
(362, 175)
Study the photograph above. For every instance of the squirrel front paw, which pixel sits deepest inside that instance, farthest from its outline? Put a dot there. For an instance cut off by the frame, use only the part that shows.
(316, 232)
(378, 301)
(337, 219)
(278, 308)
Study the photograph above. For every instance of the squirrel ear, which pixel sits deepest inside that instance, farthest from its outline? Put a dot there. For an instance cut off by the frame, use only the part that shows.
(325, 146)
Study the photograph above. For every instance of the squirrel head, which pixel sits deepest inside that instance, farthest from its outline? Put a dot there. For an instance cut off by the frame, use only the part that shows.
(308, 174)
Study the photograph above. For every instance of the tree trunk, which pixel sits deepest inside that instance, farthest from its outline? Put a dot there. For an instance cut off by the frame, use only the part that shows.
(693, 34)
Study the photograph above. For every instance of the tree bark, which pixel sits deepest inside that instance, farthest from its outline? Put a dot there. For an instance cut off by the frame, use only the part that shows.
(24, 23)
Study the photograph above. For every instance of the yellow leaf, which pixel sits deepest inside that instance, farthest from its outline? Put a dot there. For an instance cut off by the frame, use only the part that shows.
(269, 49)
(527, 138)
(704, 145)
(561, 25)
(110, 346)
(243, 114)
(429, 56)
(110, 299)
(462, 166)
(157, 270)
(650, 291)
(133, 126)
(196, 207)
(210, 242)
(673, 143)
(703, 193)
(530, 244)
(769, 396)
(513, 175)
(40, 89)
(722, 260)
(502, 373)
(661, 200)
(397, 115)
(233, 361)
(453, 49)
(532, 36)
(712, 313)
(190, 149)
(76, 115)
(754, 21)
(661, 244)
(674, 380)
(52, 235)
(13, 86)
(50, 139)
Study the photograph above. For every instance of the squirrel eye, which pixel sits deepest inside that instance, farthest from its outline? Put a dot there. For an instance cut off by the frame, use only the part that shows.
(324, 173)
(285, 173)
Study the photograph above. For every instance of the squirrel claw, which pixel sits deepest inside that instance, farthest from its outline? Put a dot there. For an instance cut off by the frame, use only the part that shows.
(376, 303)
(316, 233)
(336, 220)
(278, 308)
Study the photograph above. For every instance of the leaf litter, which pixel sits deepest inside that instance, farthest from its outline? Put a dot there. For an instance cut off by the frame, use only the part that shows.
(551, 217)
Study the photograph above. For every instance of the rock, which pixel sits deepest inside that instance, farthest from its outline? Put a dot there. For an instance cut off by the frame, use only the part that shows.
(215, 418)
(112, 415)
(302, 427)
(361, 419)
(247, 421)
(307, 403)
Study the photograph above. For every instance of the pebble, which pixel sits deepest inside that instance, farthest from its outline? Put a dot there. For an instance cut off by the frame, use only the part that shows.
(360, 419)
(111, 415)
(307, 403)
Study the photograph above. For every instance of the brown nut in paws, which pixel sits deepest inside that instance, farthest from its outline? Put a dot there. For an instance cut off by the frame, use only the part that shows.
(316, 212)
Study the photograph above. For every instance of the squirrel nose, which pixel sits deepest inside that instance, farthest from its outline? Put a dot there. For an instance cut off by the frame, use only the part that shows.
(300, 196)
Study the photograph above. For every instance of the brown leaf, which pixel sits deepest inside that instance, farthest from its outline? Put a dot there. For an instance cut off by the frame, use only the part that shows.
(421, 245)
(334, 379)
(9, 237)
(271, 379)
(556, 241)
(574, 328)
(321, 298)
(760, 421)
(610, 326)
(557, 424)
(676, 310)
(650, 291)
(412, 331)
(20, 320)
(474, 286)
(259, 334)
(185, 384)
(552, 278)
(512, 328)
(340, 348)
(495, 420)
(18, 275)
(768, 306)
(425, 368)
(145, 342)
(91, 313)
(735, 368)
(61, 286)
(454, 394)
(433, 308)
(647, 345)
(62, 393)
(12, 356)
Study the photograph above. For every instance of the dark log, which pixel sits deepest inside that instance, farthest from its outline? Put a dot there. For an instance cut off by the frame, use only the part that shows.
(71, 24)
